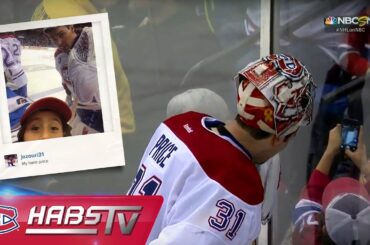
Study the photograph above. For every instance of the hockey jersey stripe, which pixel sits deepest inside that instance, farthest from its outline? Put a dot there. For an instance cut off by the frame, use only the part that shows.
(222, 162)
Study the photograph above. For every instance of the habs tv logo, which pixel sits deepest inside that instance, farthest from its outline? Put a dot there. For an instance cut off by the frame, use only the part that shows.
(8, 219)
(82, 220)
(79, 220)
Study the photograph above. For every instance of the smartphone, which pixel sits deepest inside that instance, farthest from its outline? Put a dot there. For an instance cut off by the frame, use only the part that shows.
(350, 132)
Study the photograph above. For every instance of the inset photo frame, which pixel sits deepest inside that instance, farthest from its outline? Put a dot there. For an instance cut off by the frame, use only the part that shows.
(58, 99)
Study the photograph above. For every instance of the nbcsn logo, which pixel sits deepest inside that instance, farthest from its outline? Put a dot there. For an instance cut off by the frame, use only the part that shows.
(359, 21)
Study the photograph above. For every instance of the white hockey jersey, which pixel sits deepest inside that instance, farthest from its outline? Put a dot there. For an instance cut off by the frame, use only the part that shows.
(212, 191)
(61, 64)
(78, 70)
(11, 54)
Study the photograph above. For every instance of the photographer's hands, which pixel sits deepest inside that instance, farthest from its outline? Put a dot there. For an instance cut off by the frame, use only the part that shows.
(331, 151)
(358, 157)
(365, 173)
(335, 140)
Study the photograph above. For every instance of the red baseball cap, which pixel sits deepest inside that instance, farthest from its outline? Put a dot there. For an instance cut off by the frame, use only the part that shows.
(347, 211)
(50, 104)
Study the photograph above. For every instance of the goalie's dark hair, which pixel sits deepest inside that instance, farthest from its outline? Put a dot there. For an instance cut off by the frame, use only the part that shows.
(48, 30)
(256, 133)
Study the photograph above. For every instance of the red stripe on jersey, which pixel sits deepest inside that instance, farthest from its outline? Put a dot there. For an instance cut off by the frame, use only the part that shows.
(6, 35)
(220, 160)
(57, 52)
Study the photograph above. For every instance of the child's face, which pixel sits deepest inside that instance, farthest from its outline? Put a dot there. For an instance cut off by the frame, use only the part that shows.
(43, 125)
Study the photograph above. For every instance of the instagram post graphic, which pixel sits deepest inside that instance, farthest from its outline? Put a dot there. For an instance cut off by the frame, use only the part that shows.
(58, 96)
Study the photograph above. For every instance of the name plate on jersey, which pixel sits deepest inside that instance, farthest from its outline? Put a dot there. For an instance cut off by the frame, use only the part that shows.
(70, 59)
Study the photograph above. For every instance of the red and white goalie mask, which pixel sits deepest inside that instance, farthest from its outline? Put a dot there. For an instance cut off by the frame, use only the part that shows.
(275, 94)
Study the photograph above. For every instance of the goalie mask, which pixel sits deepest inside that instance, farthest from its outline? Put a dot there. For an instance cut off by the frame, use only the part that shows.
(275, 94)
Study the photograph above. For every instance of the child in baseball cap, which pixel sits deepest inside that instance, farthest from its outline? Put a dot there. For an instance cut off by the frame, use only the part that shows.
(44, 119)
(347, 211)
(335, 211)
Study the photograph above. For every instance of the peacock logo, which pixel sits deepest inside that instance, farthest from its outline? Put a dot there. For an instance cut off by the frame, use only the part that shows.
(330, 20)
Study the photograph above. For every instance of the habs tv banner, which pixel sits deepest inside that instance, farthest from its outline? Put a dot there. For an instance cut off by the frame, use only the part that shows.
(79, 220)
